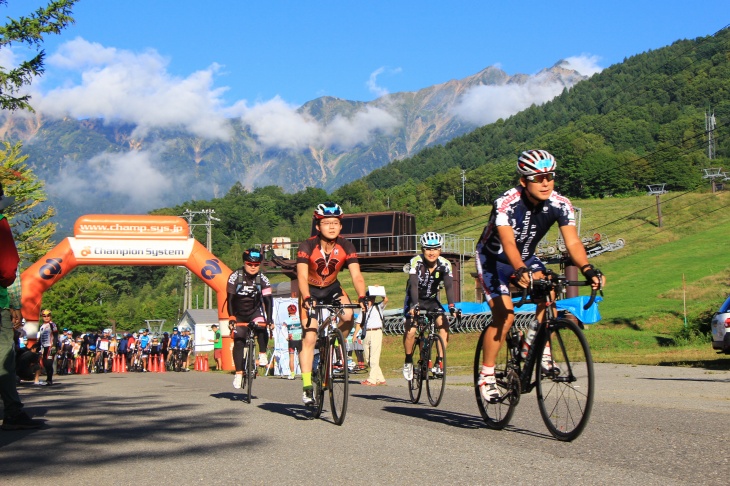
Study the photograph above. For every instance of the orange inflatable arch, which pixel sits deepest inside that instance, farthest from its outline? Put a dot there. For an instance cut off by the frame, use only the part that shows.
(123, 240)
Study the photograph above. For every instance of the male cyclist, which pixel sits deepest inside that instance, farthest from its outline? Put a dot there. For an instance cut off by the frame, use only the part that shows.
(145, 344)
(319, 261)
(427, 272)
(174, 344)
(506, 251)
(186, 345)
(249, 302)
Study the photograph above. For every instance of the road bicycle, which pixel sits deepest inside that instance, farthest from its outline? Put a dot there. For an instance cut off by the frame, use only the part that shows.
(177, 363)
(329, 371)
(428, 349)
(564, 385)
(249, 361)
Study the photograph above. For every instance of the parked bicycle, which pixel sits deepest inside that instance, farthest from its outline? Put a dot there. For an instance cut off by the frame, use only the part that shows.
(428, 350)
(329, 372)
(564, 386)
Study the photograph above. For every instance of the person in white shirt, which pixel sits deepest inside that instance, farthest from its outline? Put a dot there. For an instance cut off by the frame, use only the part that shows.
(373, 342)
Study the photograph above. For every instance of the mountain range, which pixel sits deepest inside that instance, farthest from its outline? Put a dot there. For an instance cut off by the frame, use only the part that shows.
(102, 166)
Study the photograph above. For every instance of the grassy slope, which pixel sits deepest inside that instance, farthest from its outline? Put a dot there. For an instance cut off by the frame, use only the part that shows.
(644, 299)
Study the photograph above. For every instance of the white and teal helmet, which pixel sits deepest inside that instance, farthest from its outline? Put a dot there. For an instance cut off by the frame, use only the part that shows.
(533, 162)
(431, 240)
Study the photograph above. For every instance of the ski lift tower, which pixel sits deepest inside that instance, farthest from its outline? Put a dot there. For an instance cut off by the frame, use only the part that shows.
(657, 190)
(714, 174)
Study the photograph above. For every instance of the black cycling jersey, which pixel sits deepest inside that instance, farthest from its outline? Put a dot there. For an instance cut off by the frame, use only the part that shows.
(529, 222)
(248, 296)
(423, 284)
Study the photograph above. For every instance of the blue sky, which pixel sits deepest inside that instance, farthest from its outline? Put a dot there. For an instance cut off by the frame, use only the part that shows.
(300, 50)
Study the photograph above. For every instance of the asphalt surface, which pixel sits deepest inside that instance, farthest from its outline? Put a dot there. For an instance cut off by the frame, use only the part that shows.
(650, 425)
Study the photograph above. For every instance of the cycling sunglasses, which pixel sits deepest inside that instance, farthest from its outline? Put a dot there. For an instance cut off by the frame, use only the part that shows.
(547, 176)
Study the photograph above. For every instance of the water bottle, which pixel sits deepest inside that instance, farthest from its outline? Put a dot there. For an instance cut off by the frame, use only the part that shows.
(529, 337)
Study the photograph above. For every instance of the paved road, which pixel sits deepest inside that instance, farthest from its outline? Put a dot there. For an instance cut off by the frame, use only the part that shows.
(650, 425)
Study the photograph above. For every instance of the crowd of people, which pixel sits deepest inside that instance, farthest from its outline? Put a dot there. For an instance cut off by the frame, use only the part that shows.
(62, 352)
(506, 257)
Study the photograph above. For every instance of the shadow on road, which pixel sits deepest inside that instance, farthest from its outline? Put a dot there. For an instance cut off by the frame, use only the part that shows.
(298, 412)
(111, 429)
(722, 364)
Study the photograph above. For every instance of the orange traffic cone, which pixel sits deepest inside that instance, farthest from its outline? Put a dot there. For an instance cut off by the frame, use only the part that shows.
(78, 366)
(115, 364)
(197, 363)
(161, 364)
(84, 368)
(123, 361)
(206, 364)
(152, 364)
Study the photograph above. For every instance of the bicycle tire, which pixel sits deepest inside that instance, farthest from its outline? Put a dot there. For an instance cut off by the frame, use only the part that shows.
(497, 415)
(565, 393)
(250, 363)
(62, 366)
(318, 386)
(338, 376)
(435, 384)
(415, 385)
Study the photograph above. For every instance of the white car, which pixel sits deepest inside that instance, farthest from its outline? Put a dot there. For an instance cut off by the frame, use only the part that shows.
(721, 328)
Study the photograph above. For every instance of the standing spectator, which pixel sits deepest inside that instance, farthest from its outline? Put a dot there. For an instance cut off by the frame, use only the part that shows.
(217, 347)
(186, 344)
(373, 342)
(14, 418)
(165, 345)
(294, 329)
(48, 339)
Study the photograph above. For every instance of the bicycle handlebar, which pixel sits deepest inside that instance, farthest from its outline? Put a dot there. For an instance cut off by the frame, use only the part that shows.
(554, 281)
(334, 308)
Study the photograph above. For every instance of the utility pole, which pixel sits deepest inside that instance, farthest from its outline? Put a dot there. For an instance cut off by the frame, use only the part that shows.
(712, 173)
(207, 292)
(463, 181)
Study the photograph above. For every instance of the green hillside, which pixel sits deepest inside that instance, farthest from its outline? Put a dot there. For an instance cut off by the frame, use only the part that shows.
(636, 123)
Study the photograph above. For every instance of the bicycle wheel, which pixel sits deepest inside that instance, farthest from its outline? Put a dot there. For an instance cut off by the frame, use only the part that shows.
(497, 415)
(338, 376)
(250, 363)
(435, 381)
(414, 385)
(565, 389)
(318, 380)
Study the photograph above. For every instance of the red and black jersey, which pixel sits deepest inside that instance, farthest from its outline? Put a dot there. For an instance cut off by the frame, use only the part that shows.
(324, 268)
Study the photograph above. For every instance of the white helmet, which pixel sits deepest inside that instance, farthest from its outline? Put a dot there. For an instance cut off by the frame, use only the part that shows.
(533, 162)
(431, 240)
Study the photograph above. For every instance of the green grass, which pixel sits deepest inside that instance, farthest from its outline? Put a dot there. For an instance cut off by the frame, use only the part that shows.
(650, 280)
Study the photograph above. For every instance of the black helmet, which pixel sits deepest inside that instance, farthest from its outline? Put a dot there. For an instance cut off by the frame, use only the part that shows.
(252, 255)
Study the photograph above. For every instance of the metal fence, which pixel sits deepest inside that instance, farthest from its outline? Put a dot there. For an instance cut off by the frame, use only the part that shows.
(395, 324)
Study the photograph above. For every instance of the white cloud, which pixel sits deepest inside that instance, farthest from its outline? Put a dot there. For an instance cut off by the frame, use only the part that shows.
(136, 88)
(277, 124)
(372, 82)
(485, 104)
(586, 65)
(130, 177)
(345, 133)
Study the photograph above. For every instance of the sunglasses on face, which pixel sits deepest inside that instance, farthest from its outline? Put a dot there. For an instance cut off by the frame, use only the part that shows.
(252, 264)
(46, 315)
(548, 176)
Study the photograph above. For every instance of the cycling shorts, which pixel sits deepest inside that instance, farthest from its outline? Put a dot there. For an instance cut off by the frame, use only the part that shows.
(295, 345)
(328, 294)
(497, 275)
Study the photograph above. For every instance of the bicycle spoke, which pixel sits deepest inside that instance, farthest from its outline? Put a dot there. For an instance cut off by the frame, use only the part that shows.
(498, 414)
(565, 392)
(414, 385)
(338, 376)
(435, 373)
